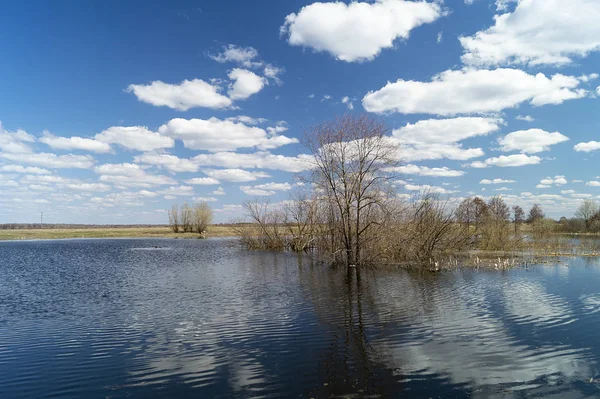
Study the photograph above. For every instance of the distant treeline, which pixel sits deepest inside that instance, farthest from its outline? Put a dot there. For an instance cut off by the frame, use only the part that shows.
(50, 226)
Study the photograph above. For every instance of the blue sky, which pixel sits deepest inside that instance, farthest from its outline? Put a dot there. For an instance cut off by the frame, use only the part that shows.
(112, 111)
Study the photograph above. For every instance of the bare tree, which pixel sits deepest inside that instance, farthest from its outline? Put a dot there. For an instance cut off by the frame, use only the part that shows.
(499, 211)
(187, 218)
(202, 217)
(518, 217)
(535, 214)
(586, 211)
(495, 228)
(174, 218)
(352, 159)
(465, 213)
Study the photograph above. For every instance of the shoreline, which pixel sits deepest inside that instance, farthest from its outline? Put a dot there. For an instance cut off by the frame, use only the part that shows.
(112, 232)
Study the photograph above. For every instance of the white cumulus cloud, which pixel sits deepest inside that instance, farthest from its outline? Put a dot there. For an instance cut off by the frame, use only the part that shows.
(135, 138)
(537, 32)
(74, 143)
(202, 181)
(24, 169)
(221, 135)
(508, 161)
(235, 175)
(471, 91)
(183, 96)
(530, 141)
(15, 141)
(244, 56)
(440, 138)
(130, 175)
(244, 84)
(587, 146)
(257, 160)
(357, 31)
(551, 181)
(496, 181)
(428, 188)
(170, 162)
(411, 169)
(52, 161)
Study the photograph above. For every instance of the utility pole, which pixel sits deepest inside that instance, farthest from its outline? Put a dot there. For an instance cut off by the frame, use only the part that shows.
(41, 219)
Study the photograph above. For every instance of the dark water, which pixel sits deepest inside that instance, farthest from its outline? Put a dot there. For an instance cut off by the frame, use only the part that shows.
(202, 318)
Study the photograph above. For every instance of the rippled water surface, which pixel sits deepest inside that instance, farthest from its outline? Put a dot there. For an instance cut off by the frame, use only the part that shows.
(203, 318)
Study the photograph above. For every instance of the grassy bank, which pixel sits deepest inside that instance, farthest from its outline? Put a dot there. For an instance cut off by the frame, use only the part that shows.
(112, 232)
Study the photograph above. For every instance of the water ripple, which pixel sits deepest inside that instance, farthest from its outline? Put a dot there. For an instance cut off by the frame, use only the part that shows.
(189, 318)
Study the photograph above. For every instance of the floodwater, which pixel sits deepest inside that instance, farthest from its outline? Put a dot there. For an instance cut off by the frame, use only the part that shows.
(139, 318)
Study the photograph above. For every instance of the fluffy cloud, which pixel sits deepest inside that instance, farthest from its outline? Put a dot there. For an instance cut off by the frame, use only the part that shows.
(530, 141)
(244, 84)
(357, 31)
(135, 138)
(349, 104)
(266, 189)
(170, 162)
(235, 175)
(6, 182)
(184, 191)
(248, 58)
(445, 130)
(122, 169)
(248, 190)
(204, 199)
(74, 143)
(47, 179)
(472, 91)
(556, 180)
(438, 138)
(593, 183)
(124, 198)
(88, 187)
(15, 141)
(219, 191)
(24, 169)
(272, 72)
(257, 160)
(244, 56)
(428, 188)
(248, 120)
(526, 118)
(537, 32)
(203, 181)
(183, 96)
(130, 175)
(52, 161)
(587, 146)
(274, 186)
(496, 181)
(221, 135)
(426, 171)
(508, 161)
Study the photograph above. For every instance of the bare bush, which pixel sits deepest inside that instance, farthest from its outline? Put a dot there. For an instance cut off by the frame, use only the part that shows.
(266, 230)
(202, 217)
(187, 218)
(431, 229)
(174, 218)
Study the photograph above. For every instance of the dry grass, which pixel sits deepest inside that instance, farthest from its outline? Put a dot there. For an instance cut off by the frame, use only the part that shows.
(113, 232)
